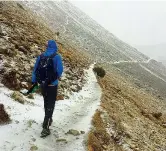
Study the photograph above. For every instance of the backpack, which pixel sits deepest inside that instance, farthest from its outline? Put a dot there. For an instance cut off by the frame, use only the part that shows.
(45, 73)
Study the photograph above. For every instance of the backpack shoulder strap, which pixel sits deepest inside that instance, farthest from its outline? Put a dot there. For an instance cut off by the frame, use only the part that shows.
(53, 55)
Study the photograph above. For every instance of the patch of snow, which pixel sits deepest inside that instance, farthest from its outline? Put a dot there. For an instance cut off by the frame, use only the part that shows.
(133, 61)
(118, 62)
(74, 113)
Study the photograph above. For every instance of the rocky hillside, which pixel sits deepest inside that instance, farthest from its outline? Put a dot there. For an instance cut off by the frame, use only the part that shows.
(128, 119)
(82, 32)
(23, 37)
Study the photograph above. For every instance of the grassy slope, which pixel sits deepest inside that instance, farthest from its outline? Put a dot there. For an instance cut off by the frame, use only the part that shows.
(24, 29)
(128, 112)
(133, 120)
(144, 79)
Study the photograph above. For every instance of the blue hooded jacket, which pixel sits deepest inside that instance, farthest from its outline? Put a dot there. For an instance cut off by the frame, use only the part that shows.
(58, 65)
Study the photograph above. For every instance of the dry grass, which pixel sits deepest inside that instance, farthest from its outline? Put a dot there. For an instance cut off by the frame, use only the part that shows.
(99, 139)
(32, 30)
(27, 31)
(133, 118)
(74, 57)
(98, 134)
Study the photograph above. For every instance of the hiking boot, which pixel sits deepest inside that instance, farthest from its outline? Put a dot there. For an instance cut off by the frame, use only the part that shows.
(45, 132)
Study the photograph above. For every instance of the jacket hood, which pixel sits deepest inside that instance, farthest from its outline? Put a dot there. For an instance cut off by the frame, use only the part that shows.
(51, 47)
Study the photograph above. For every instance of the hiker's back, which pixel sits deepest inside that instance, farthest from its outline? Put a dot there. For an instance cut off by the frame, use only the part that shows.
(47, 70)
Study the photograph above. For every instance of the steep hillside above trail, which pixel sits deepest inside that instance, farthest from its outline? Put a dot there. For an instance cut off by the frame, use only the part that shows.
(82, 32)
(23, 37)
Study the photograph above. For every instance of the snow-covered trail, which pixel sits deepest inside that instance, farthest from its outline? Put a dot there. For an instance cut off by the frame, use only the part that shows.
(133, 61)
(152, 72)
(75, 113)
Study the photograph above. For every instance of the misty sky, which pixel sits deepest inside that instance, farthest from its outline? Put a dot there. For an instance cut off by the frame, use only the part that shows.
(137, 23)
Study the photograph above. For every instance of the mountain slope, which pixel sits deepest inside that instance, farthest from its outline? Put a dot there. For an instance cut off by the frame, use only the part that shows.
(82, 32)
(128, 118)
(23, 38)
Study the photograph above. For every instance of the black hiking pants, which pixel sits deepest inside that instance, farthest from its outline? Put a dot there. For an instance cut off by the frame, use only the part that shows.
(49, 94)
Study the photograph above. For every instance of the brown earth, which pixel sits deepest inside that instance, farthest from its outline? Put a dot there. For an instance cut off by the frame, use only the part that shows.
(22, 38)
(129, 119)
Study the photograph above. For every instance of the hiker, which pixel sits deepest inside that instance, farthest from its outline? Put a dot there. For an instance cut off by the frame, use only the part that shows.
(47, 71)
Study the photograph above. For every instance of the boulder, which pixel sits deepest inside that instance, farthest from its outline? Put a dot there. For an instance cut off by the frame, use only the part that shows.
(61, 140)
(73, 132)
(17, 96)
(4, 117)
(33, 148)
(10, 79)
(82, 132)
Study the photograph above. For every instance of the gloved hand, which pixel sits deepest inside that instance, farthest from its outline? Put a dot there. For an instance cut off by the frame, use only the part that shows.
(32, 89)
(24, 92)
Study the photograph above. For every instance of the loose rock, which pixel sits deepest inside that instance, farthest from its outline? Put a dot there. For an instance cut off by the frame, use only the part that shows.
(18, 97)
(73, 132)
(61, 140)
(33, 148)
(82, 132)
(4, 117)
